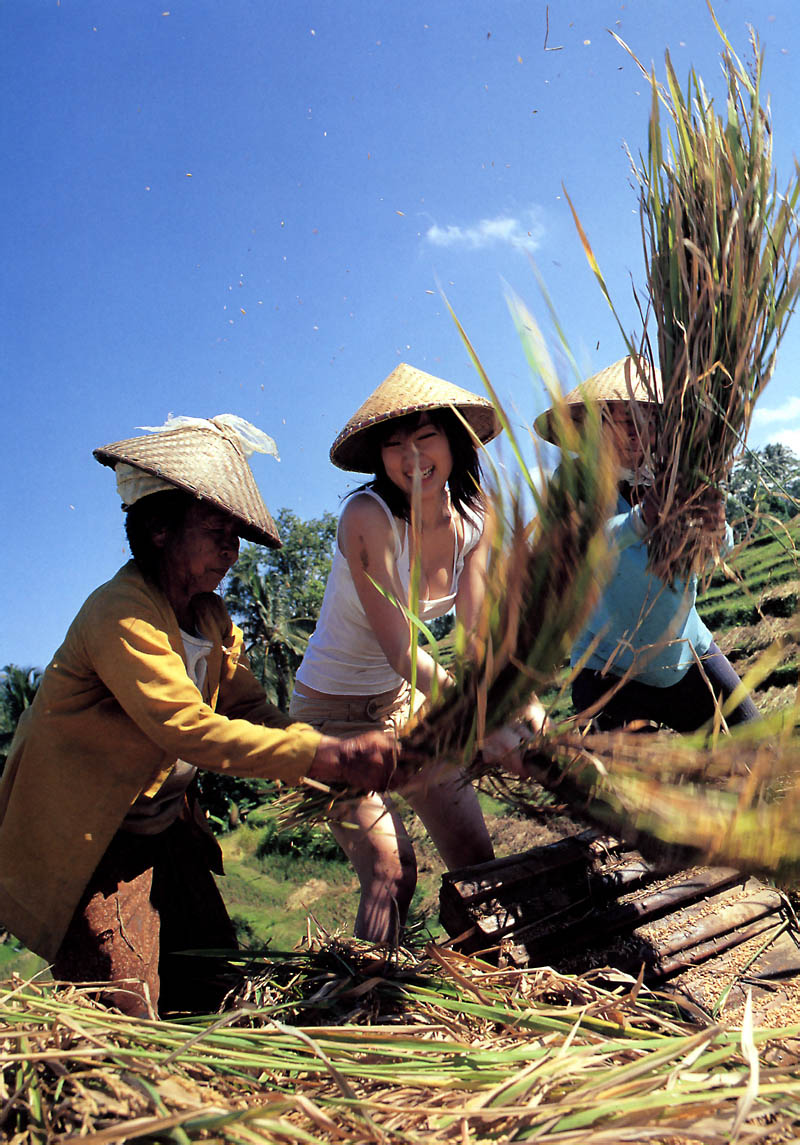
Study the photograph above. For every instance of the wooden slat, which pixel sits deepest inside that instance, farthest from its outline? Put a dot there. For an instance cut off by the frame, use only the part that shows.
(689, 936)
(728, 912)
(473, 885)
(596, 926)
(713, 948)
(587, 901)
(543, 882)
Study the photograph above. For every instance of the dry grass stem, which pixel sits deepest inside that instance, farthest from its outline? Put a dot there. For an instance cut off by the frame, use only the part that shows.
(447, 1049)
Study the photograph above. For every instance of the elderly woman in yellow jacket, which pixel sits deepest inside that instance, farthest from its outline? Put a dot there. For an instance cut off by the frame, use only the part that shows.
(105, 862)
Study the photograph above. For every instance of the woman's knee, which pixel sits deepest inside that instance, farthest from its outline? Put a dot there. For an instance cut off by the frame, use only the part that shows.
(396, 874)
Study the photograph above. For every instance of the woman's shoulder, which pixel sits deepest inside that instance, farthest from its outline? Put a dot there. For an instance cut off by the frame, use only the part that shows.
(127, 589)
(364, 506)
(473, 525)
(129, 600)
(115, 608)
(367, 518)
(125, 599)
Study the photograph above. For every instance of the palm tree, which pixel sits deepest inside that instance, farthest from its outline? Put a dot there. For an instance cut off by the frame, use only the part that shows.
(17, 689)
(274, 640)
(276, 594)
(764, 483)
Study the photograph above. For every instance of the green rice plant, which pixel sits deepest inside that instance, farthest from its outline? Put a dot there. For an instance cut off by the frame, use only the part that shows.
(720, 245)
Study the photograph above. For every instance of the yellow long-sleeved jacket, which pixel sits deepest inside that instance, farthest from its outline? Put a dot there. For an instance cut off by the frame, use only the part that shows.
(114, 711)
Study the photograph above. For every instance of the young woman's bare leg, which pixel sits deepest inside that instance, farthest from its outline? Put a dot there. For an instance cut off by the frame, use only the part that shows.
(451, 813)
(373, 837)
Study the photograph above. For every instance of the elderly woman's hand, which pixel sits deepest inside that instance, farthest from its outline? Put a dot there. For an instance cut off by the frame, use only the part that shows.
(372, 761)
(503, 748)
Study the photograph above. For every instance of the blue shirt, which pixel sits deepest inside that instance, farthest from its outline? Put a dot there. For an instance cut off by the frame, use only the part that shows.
(639, 621)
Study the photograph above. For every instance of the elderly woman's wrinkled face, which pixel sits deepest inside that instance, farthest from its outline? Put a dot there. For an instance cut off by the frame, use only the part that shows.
(201, 552)
(631, 433)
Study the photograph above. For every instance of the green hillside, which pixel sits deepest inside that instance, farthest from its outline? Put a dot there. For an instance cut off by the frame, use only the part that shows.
(755, 608)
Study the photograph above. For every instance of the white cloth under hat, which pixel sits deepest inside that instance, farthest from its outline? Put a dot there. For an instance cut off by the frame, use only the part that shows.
(133, 483)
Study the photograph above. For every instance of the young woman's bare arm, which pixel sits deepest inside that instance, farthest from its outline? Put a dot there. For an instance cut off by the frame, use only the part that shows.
(472, 583)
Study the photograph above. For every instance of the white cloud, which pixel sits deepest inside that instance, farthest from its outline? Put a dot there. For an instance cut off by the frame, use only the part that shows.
(788, 437)
(789, 411)
(775, 425)
(525, 232)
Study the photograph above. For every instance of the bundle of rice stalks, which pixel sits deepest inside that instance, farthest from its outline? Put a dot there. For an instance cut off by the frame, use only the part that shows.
(679, 800)
(720, 248)
(479, 1055)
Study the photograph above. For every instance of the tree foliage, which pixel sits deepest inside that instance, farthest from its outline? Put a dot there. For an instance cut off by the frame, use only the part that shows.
(764, 484)
(276, 594)
(440, 626)
(17, 689)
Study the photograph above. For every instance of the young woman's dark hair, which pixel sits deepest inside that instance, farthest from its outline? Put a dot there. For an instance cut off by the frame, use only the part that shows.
(154, 514)
(465, 477)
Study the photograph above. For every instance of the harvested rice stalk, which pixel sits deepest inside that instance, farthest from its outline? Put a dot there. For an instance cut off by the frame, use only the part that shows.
(471, 1053)
(720, 247)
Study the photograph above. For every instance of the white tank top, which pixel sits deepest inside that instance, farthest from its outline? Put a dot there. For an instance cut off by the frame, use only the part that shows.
(343, 656)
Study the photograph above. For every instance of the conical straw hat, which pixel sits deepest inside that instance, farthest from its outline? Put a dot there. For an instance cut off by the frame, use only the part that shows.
(205, 458)
(618, 383)
(407, 390)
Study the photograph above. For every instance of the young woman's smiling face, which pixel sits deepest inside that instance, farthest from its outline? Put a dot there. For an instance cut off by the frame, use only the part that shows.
(424, 448)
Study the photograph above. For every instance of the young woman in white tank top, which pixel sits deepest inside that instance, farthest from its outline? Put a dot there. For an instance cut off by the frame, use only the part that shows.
(357, 671)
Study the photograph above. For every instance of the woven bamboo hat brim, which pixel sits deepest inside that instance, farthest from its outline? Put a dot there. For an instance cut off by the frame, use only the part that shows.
(208, 461)
(618, 383)
(407, 390)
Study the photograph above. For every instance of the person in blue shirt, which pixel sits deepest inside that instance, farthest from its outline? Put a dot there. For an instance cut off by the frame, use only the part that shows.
(644, 656)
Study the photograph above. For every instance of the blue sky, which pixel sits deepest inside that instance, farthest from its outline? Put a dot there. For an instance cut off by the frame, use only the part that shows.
(249, 207)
